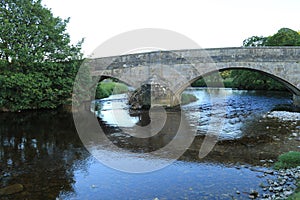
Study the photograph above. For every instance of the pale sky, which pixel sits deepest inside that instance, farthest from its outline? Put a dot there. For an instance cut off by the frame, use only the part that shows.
(210, 23)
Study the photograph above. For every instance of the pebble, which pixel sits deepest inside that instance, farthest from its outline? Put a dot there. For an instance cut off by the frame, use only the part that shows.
(269, 172)
(294, 134)
(282, 186)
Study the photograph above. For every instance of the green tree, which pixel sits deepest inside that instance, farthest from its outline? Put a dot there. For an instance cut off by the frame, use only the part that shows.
(252, 80)
(37, 62)
(30, 33)
(246, 79)
(284, 37)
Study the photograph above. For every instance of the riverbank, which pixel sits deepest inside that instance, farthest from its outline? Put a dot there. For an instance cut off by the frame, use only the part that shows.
(282, 185)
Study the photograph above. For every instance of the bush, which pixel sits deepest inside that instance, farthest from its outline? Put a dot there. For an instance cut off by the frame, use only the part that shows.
(39, 86)
(288, 160)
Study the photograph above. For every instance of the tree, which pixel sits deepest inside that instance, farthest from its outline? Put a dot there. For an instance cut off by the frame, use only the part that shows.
(284, 37)
(38, 64)
(30, 33)
(246, 79)
(254, 80)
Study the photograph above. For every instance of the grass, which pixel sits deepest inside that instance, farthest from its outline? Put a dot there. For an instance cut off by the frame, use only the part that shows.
(105, 89)
(188, 98)
(288, 160)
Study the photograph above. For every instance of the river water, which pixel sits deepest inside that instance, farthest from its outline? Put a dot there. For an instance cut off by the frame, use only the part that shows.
(43, 152)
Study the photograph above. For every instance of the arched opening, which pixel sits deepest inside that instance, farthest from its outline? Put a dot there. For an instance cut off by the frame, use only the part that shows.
(108, 86)
(244, 79)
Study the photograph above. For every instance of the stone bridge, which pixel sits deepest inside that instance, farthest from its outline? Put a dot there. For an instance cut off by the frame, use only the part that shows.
(168, 73)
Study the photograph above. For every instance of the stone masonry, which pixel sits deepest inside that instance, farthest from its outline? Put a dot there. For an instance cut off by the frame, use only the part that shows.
(179, 68)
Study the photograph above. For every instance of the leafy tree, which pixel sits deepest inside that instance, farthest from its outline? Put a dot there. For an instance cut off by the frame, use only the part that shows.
(30, 33)
(37, 62)
(252, 80)
(284, 37)
(246, 79)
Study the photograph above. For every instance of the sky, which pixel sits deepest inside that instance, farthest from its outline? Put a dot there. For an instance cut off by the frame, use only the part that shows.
(210, 23)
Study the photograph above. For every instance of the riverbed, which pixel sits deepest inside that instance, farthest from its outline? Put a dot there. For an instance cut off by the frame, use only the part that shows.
(43, 152)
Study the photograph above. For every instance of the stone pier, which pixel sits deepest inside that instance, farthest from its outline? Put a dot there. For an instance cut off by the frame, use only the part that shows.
(154, 92)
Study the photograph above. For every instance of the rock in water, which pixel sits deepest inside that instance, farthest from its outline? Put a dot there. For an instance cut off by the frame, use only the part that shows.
(12, 189)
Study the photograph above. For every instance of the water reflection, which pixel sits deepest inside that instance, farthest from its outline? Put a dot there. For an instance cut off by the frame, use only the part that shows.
(38, 150)
(42, 151)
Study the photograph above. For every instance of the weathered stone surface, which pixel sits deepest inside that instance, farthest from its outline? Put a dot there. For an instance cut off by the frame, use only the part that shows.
(296, 99)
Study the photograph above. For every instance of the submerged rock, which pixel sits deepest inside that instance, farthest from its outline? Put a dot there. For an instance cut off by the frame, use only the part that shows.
(12, 189)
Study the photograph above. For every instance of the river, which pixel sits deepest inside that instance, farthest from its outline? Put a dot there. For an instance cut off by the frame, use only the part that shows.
(43, 152)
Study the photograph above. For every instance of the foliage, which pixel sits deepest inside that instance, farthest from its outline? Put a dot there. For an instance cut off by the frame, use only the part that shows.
(241, 79)
(37, 62)
(212, 79)
(244, 79)
(105, 89)
(48, 86)
(288, 160)
(284, 37)
(251, 80)
(254, 41)
(30, 33)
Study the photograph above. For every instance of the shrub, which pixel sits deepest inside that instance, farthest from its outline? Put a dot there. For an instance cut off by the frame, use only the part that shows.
(288, 160)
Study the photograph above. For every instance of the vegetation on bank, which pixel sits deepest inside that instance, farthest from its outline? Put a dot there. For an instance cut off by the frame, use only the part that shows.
(288, 160)
(240, 79)
(107, 88)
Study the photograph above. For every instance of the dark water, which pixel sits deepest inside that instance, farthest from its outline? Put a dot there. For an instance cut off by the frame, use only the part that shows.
(42, 151)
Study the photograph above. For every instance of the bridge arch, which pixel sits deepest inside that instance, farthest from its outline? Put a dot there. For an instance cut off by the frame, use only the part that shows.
(289, 86)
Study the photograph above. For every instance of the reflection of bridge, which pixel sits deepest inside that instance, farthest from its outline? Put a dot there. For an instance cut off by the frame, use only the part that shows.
(177, 69)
